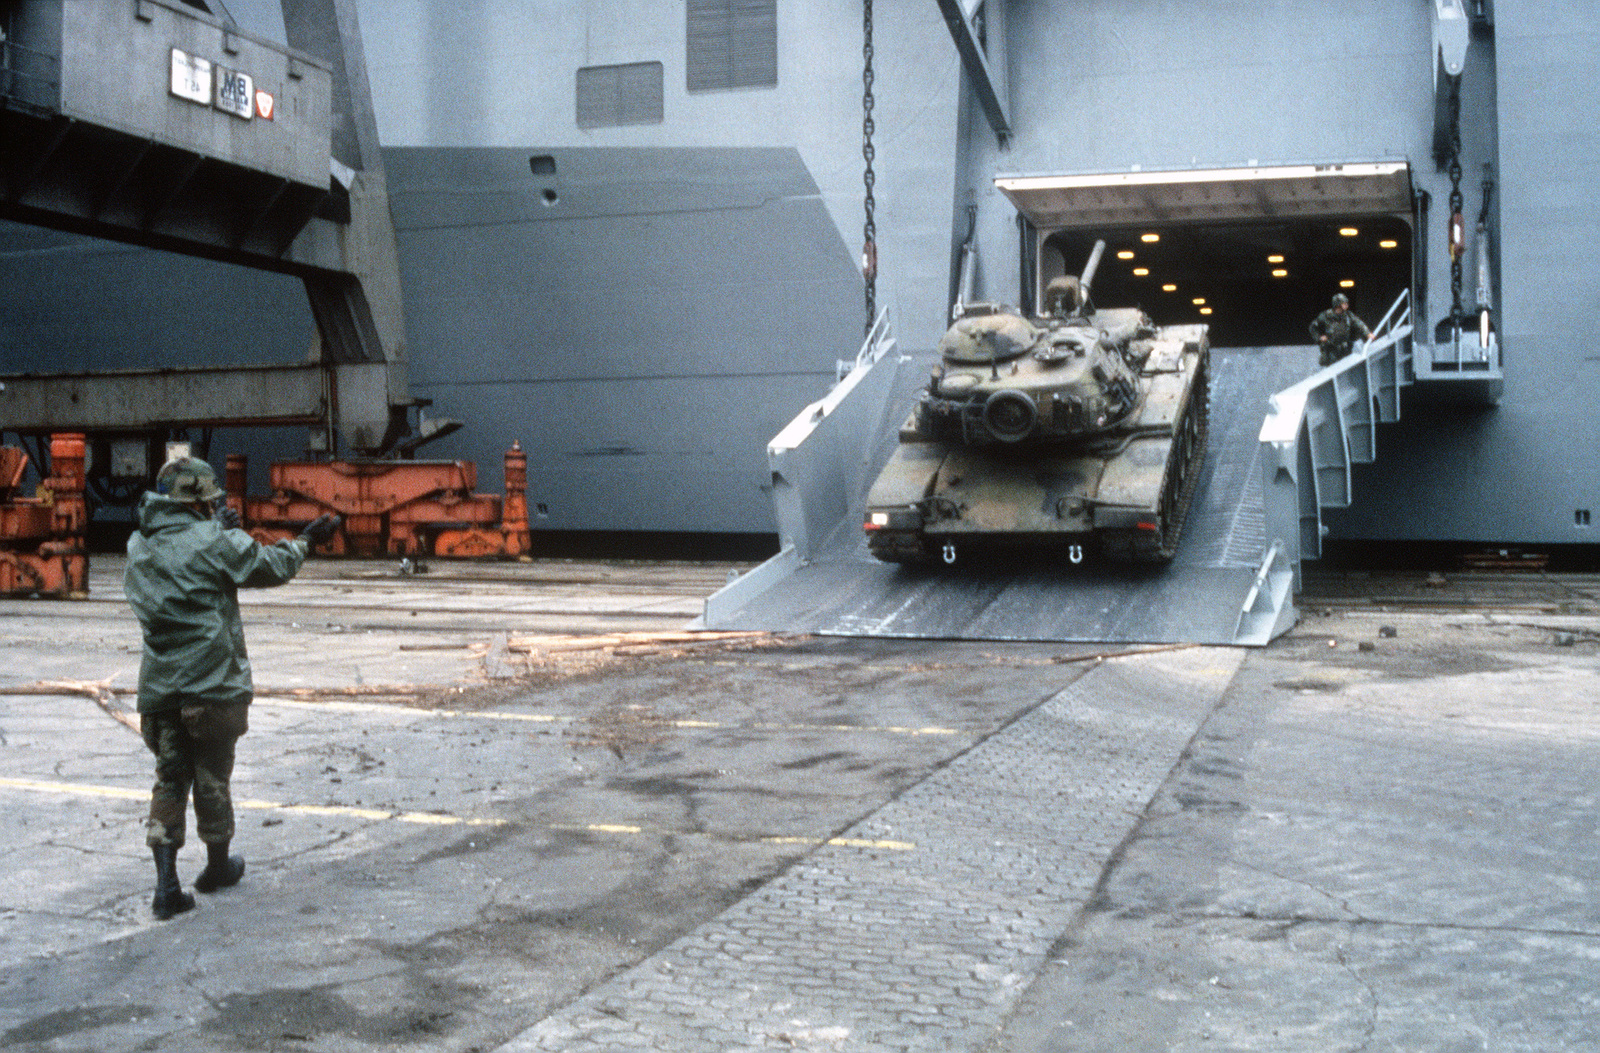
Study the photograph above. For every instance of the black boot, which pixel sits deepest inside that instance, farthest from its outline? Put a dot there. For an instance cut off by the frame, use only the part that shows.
(222, 870)
(170, 897)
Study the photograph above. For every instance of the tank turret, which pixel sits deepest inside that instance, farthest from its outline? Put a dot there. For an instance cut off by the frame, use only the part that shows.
(1070, 375)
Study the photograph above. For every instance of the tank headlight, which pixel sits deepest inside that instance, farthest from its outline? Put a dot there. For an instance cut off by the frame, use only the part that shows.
(897, 519)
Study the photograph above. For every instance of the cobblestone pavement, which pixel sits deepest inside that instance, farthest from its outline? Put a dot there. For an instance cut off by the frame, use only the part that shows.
(923, 945)
(1383, 838)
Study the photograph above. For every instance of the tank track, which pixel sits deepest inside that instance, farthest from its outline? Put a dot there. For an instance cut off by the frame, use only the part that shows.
(1182, 476)
(904, 548)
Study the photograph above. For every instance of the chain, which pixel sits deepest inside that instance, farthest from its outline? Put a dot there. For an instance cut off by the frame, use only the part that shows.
(1457, 222)
(869, 233)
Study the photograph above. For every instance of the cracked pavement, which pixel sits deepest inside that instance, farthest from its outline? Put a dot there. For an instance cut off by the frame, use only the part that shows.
(1376, 834)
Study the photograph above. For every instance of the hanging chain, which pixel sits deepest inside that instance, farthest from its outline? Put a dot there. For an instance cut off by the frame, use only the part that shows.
(869, 234)
(1458, 231)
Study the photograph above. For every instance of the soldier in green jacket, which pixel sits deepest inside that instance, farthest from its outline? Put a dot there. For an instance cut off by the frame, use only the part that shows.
(1335, 330)
(186, 563)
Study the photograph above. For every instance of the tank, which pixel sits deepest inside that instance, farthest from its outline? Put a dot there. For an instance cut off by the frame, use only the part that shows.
(1081, 429)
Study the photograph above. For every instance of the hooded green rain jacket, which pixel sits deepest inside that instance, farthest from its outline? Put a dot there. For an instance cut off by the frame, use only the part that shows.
(183, 578)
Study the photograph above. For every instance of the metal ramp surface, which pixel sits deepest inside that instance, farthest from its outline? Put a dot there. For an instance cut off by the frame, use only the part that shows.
(842, 590)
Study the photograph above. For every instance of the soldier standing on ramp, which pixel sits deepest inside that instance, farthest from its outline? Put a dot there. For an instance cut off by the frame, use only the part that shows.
(1334, 330)
(186, 564)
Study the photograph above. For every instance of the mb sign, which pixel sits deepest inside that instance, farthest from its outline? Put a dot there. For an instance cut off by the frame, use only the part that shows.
(202, 81)
(235, 93)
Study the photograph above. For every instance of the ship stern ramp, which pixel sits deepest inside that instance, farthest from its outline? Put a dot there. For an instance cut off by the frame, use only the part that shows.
(1283, 434)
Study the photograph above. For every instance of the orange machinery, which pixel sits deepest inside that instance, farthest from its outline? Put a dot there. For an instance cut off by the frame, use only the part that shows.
(390, 508)
(42, 546)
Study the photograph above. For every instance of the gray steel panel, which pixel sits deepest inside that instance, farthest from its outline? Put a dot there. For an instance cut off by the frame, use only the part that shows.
(1195, 600)
(643, 336)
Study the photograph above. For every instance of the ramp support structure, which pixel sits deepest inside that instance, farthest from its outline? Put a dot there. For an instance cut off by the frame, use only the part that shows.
(1314, 431)
(818, 464)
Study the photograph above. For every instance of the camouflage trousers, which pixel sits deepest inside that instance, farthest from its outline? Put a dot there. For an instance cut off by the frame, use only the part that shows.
(1332, 352)
(193, 748)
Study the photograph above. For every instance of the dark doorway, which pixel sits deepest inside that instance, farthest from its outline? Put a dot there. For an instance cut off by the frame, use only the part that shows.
(1261, 283)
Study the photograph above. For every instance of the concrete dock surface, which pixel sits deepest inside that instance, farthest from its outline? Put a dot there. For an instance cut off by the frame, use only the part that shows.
(510, 807)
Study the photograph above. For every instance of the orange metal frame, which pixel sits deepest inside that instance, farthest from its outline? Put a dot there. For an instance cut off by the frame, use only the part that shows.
(393, 508)
(42, 546)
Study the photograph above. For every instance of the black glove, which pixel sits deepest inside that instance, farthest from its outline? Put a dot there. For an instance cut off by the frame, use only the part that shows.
(228, 517)
(320, 529)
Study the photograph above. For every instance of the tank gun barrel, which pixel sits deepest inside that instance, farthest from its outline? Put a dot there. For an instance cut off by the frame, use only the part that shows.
(1092, 266)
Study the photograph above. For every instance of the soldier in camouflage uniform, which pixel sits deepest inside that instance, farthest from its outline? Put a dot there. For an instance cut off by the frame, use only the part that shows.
(1335, 330)
(186, 563)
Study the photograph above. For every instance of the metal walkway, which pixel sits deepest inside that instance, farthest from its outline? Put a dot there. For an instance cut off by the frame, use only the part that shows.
(842, 590)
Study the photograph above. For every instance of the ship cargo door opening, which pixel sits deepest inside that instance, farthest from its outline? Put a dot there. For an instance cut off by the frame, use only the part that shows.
(1255, 253)
(1212, 236)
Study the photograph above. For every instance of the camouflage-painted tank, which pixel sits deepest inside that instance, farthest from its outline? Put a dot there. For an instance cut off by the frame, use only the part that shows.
(1082, 428)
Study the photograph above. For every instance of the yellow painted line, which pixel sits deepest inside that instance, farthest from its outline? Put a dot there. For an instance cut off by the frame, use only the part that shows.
(547, 718)
(843, 842)
(373, 814)
(889, 729)
(81, 791)
(425, 818)
(435, 819)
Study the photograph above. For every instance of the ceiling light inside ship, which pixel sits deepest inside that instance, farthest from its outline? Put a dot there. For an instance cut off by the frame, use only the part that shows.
(1268, 303)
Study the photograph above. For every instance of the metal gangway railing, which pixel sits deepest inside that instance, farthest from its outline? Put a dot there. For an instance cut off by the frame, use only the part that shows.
(1314, 431)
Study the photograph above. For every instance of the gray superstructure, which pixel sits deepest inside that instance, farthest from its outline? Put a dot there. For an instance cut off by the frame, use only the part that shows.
(633, 245)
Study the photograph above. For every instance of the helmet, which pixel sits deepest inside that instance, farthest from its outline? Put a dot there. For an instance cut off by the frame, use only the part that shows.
(188, 479)
(1341, 300)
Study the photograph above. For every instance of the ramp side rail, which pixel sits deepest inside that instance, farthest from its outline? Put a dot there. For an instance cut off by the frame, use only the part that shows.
(819, 465)
(1316, 429)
